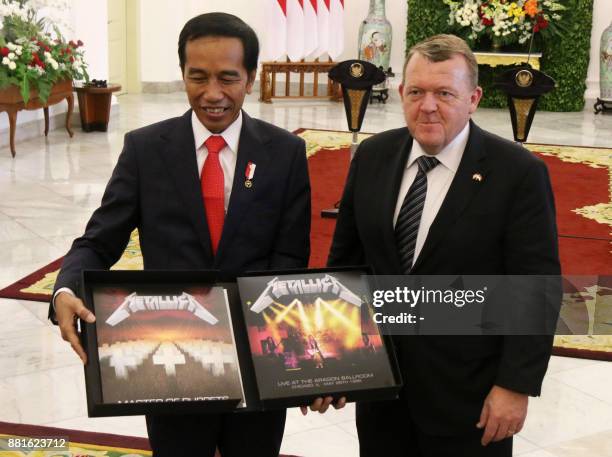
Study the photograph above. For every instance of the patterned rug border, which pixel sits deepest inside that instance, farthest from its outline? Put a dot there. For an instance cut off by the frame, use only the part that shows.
(302, 130)
(14, 290)
(582, 353)
(80, 437)
(85, 439)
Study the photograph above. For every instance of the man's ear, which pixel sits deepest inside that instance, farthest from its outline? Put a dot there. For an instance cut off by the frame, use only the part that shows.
(475, 99)
(251, 81)
(401, 90)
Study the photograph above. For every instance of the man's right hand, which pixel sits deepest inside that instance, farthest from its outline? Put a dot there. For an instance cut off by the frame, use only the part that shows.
(67, 309)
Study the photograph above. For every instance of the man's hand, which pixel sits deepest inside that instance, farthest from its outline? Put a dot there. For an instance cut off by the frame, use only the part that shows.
(503, 414)
(67, 309)
(321, 405)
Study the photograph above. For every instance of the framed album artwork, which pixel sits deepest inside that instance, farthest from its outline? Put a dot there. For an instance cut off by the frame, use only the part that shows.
(312, 334)
(161, 342)
(170, 341)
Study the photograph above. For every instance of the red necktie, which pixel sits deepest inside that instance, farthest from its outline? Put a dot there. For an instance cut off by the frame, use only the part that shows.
(213, 189)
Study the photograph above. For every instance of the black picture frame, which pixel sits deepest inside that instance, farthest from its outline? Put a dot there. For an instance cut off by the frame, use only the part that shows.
(104, 291)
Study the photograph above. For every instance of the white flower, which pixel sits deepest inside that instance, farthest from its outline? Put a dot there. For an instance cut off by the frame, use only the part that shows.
(11, 55)
(18, 50)
(11, 46)
(5, 61)
(12, 65)
(54, 64)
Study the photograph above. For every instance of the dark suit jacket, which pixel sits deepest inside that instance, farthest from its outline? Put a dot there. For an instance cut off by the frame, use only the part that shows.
(155, 187)
(504, 224)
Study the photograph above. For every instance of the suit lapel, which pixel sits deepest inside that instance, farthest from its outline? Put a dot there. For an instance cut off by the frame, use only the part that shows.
(462, 190)
(251, 148)
(390, 179)
(179, 156)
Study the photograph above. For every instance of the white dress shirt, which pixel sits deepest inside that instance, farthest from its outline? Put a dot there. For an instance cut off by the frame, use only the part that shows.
(227, 157)
(438, 182)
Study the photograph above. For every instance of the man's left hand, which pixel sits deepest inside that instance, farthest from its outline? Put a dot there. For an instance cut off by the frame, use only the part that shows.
(503, 414)
(321, 405)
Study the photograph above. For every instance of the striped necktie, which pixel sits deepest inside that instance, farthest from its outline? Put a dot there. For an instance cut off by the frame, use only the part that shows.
(409, 217)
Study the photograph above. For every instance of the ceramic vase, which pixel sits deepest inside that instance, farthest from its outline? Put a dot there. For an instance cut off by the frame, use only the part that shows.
(375, 36)
(605, 64)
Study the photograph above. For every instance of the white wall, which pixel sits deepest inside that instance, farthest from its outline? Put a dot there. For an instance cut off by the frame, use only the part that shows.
(161, 22)
(602, 17)
(87, 20)
(90, 26)
(159, 59)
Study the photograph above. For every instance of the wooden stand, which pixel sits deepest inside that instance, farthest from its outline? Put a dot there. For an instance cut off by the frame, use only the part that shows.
(12, 102)
(94, 106)
(268, 80)
(602, 106)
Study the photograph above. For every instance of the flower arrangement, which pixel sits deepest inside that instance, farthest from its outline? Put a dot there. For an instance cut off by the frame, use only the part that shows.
(30, 56)
(504, 21)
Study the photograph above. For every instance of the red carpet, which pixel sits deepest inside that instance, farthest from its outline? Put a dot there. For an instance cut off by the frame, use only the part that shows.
(584, 243)
(581, 180)
(577, 185)
(328, 170)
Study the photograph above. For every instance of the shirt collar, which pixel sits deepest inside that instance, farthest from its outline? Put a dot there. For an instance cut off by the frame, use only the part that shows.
(450, 156)
(231, 134)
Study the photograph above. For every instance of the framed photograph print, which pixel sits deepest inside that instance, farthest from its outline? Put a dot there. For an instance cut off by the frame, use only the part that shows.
(185, 341)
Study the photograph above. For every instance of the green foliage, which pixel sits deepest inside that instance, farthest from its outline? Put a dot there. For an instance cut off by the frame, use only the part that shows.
(31, 58)
(425, 18)
(565, 59)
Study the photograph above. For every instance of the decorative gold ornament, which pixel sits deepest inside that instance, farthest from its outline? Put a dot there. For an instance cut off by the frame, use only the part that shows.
(357, 70)
(522, 107)
(248, 184)
(524, 78)
(356, 98)
(477, 177)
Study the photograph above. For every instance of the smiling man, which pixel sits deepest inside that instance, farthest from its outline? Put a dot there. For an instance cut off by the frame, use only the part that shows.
(212, 189)
(444, 197)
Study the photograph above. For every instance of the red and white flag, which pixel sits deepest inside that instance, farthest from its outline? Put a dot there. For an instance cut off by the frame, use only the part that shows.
(311, 37)
(336, 28)
(322, 27)
(295, 30)
(276, 25)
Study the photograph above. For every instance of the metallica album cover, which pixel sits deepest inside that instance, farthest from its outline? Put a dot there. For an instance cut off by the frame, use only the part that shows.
(164, 344)
(313, 334)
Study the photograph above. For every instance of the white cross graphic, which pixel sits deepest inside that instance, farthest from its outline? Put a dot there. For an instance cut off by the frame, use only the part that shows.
(169, 356)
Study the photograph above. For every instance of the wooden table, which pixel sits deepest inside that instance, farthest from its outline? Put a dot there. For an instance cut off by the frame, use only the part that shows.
(12, 102)
(94, 106)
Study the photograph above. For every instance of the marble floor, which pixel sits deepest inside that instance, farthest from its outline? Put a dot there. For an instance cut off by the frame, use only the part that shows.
(49, 190)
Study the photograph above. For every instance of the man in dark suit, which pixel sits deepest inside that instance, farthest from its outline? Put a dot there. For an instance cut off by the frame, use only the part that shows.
(443, 196)
(212, 189)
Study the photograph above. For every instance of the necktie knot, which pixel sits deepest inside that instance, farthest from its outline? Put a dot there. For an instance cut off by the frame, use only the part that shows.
(427, 163)
(214, 144)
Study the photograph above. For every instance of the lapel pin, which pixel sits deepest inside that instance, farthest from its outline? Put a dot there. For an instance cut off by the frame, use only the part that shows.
(248, 174)
(477, 177)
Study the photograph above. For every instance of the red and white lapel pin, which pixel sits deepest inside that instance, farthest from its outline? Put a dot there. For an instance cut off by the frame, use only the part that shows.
(248, 174)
